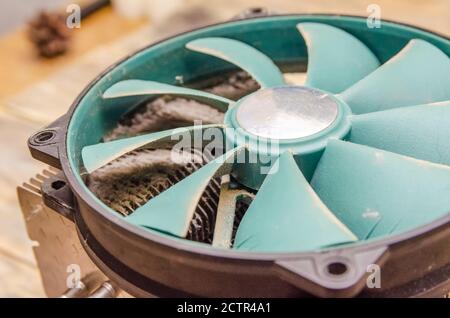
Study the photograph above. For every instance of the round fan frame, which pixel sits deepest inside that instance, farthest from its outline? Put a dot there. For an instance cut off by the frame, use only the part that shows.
(144, 262)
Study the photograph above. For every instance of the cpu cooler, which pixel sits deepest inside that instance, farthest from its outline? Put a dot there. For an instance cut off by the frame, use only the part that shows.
(351, 168)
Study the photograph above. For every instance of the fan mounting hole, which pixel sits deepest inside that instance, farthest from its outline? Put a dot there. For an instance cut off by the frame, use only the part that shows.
(58, 184)
(337, 268)
(44, 137)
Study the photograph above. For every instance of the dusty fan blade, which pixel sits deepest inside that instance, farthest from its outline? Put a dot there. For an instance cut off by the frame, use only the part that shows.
(141, 87)
(254, 62)
(172, 211)
(376, 193)
(418, 74)
(287, 216)
(98, 155)
(422, 132)
(336, 59)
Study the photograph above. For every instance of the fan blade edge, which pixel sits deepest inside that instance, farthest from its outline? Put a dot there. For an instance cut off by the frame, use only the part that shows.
(251, 60)
(374, 191)
(287, 216)
(143, 87)
(418, 74)
(97, 155)
(334, 51)
(421, 132)
(172, 210)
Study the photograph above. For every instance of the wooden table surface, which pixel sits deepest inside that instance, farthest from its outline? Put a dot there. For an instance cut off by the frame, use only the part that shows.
(34, 91)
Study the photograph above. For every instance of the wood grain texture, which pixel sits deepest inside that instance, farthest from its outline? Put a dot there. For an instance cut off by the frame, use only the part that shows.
(34, 92)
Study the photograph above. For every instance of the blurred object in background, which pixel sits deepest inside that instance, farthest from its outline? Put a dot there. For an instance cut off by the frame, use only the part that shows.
(130, 9)
(159, 10)
(156, 10)
(50, 32)
(15, 13)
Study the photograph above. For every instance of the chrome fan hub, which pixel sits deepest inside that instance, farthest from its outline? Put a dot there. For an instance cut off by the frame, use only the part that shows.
(295, 118)
(271, 121)
(287, 112)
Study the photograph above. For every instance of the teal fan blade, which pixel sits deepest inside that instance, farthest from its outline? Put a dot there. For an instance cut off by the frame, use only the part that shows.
(287, 216)
(141, 87)
(422, 132)
(254, 62)
(336, 59)
(98, 155)
(418, 74)
(376, 193)
(172, 210)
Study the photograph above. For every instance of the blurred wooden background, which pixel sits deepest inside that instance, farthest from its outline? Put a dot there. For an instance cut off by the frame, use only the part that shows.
(34, 91)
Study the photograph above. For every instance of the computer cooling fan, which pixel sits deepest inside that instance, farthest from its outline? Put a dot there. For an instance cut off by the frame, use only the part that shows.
(360, 173)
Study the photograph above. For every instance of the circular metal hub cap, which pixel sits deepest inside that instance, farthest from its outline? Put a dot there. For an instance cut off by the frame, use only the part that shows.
(286, 112)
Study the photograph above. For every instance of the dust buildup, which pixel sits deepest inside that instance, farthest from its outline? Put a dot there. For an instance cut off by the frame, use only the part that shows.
(167, 112)
(130, 181)
(241, 208)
